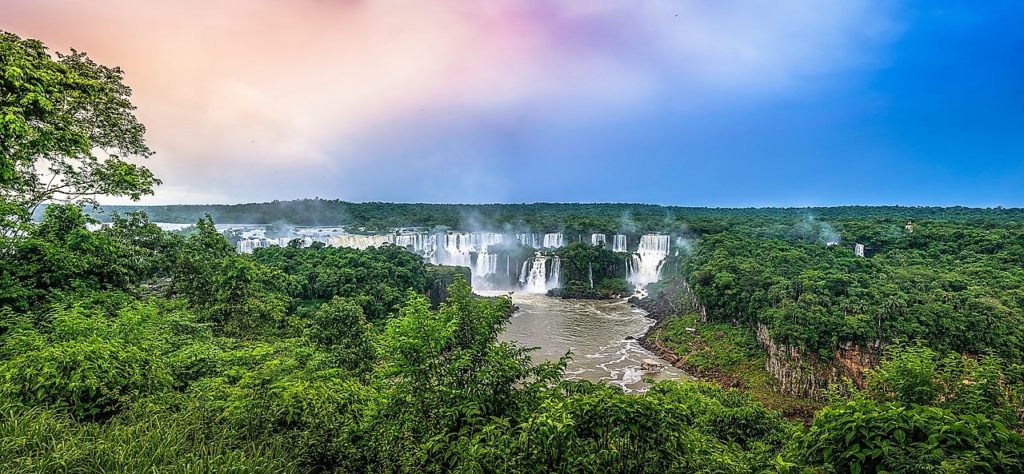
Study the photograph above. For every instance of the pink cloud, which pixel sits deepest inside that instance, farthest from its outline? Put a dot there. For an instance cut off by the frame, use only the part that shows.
(234, 91)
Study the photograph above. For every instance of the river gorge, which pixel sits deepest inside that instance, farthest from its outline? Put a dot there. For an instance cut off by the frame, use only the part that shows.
(600, 333)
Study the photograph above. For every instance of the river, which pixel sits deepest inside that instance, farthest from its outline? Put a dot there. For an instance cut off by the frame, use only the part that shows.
(596, 331)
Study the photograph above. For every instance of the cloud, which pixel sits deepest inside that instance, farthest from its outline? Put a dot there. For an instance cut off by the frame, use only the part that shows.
(268, 97)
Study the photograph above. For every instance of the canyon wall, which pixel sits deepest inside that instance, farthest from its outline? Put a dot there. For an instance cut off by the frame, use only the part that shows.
(805, 375)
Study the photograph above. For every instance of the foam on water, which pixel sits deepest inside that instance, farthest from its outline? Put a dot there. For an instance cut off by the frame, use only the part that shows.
(599, 333)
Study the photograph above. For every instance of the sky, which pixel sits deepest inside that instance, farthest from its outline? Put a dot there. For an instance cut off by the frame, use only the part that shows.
(686, 102)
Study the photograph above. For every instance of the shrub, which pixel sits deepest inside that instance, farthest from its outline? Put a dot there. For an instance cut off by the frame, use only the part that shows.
(868, 436)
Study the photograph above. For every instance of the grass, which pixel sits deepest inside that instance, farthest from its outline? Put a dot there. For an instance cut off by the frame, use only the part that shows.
(731, 356)
(38, 440)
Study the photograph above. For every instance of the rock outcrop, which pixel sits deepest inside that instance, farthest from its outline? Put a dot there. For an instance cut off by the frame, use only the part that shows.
(441, 277)
(797, 374)
(805, 375)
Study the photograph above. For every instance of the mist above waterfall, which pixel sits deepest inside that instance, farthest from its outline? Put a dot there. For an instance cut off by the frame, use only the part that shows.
(505, 257)
(626, 224)
(813, 230)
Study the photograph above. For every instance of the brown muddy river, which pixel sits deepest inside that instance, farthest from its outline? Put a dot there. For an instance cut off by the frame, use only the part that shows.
(598, 334)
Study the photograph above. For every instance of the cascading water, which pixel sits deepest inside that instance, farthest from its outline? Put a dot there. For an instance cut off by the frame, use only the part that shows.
(590, 274)
(486, 264)
(454, 249)
(250, 244)
(457, 247)
(420, 243)
(619, 243)
(554, 279)
(363, 241)
(536, 281)
(482, 251)
(552, 241)
(482, 241)
(645, 267)
(528, 240)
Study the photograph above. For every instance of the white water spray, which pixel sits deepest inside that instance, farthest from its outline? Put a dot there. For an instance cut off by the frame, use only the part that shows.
(536, 281)
(552, 241)
(619, 243)
(645, 267)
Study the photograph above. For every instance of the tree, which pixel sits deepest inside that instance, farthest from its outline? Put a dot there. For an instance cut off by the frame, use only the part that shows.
(67, 129)
(61, 254)
(340, 326)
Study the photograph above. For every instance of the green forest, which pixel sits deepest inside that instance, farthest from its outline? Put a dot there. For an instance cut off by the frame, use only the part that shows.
(536, 217)
(126, 348)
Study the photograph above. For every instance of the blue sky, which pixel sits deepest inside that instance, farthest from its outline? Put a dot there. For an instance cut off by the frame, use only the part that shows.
(729, 103)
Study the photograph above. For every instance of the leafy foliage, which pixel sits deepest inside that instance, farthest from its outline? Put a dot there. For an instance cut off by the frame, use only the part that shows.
(84, 361)
(377, 279)
(584, 264)
(868, 436)
(957, 286)
(67, 130)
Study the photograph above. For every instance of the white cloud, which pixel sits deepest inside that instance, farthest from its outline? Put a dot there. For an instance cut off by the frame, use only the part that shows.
(240, 93)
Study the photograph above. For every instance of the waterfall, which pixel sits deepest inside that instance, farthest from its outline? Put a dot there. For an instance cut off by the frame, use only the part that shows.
(420, 243)
(248, 245)
(598, 239)
(552, 241)
(536, 281)
(528, 240)
(508, 266)
(253, 243)
(619, 243)
(454, 249)
(486, 264)
(482, 241)
(646, 264)
(556, 271)
(522, 273)
(590, 274)
(362, 241)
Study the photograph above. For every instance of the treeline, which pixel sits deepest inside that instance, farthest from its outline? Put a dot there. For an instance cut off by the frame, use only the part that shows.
(539, 217)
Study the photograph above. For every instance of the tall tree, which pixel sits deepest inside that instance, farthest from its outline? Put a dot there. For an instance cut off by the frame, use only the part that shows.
(67, 131)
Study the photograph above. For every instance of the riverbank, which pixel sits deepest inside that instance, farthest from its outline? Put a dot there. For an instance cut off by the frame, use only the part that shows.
(725, 354)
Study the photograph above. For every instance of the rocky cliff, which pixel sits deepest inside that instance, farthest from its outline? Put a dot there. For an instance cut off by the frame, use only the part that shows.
(805, 375)
(796, 374)
(441, 276)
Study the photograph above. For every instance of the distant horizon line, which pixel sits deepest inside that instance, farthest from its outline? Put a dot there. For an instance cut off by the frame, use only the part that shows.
(609, 203)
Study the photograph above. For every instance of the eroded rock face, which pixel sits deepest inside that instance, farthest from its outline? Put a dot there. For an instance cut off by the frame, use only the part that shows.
(798, 374)
(441, 277)
(805, 375)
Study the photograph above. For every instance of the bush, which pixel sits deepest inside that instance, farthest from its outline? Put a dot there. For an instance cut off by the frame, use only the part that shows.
(868, 436)
(87, 363)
